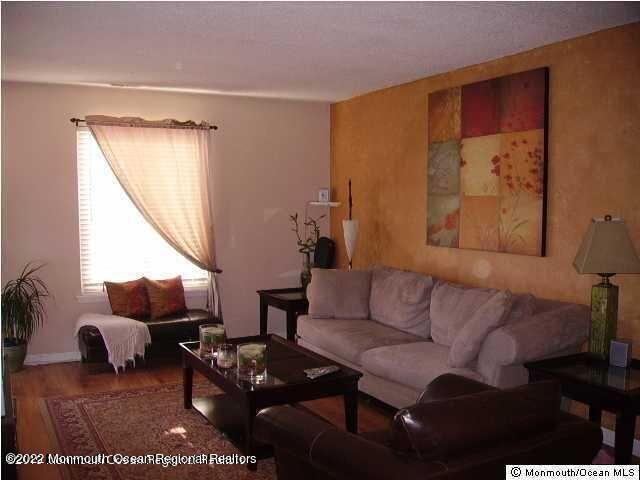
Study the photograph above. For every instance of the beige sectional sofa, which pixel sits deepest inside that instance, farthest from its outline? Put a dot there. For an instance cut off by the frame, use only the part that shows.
(403, 329)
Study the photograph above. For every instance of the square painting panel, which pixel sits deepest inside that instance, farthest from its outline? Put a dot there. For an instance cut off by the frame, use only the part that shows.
(479, 222)
(521, 165)
(444, 115)
(443, 171)
(480, 166)
(480, 109)
(522, 101)
(487, 189)
(443, 213)
(520, 225)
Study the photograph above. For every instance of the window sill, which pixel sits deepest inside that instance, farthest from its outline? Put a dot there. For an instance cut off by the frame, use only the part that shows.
(101, 297)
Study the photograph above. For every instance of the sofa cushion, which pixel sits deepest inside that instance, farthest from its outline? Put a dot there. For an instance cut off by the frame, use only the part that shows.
(452, 306)
(401, 300)
(166, 297)
(349, 338)
(339, 293)
(128, 299)
(412, 364)
(491, 315)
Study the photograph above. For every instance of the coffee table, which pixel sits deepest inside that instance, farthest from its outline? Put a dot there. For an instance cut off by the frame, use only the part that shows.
(234, 411)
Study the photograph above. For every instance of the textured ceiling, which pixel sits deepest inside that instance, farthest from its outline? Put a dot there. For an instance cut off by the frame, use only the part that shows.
(313, 51)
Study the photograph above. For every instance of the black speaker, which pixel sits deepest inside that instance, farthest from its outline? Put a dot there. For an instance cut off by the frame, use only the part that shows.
(324, 253)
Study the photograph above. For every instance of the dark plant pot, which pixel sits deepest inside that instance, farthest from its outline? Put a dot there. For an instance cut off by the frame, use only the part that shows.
(14, 355)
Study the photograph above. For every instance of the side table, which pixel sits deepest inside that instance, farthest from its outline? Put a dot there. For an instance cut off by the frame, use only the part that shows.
(601, 386)
(291, 300)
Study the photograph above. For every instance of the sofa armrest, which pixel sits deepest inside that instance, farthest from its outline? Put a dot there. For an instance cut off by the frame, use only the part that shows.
(335, 452)
(540, 336)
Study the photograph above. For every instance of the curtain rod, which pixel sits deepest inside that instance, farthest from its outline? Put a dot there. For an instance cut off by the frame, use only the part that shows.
(82, 120)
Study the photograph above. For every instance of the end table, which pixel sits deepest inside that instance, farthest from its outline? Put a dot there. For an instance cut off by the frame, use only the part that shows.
(291, 300)
(603, 387)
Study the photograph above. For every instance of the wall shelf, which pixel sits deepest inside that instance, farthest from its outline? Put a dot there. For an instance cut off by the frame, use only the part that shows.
(324, 204)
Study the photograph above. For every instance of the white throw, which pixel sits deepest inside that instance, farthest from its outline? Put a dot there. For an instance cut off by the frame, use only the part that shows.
(124, 337)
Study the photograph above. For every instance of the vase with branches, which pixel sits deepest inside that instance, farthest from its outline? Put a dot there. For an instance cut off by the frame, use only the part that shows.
(307, 241)
(23, 313)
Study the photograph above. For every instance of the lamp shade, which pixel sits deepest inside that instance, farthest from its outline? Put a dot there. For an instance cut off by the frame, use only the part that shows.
(350, 228)
(607, 248)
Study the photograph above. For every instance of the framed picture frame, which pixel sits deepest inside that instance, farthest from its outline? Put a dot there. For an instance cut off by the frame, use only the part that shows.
(487, 164)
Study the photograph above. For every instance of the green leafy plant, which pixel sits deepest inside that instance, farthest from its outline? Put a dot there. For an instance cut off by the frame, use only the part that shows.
(23, 306)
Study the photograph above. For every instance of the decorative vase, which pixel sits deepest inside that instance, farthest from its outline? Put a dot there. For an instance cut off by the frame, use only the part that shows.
(211, 335)
(305, 274)
(14, 355)
(252, 360)
(350, 229)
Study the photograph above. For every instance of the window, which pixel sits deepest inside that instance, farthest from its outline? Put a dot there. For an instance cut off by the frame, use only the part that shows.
(116, 242)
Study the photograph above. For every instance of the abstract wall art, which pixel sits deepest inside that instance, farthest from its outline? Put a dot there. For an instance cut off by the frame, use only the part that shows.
(487, 159)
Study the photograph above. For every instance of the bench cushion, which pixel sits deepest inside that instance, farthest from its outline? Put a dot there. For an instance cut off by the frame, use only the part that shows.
(166, 333)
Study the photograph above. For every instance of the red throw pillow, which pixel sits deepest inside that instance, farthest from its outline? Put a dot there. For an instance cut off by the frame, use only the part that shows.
(166, 297)
(128, 299)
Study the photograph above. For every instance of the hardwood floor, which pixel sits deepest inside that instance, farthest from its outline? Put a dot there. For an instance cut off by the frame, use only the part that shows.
(33, 384)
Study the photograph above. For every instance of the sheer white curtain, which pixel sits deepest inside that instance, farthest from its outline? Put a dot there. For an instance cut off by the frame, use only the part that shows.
(164, 168)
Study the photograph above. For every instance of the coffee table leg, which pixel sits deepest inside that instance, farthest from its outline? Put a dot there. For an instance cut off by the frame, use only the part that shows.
(248, 439)
(625, 429)
(187, 382)
(351, 411)
(264, 313)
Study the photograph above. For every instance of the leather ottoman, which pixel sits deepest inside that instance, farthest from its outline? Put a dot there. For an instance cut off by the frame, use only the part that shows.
(166, 333)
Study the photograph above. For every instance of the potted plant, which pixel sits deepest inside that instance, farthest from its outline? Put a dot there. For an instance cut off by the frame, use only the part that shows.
(22, 314)
(306, 245)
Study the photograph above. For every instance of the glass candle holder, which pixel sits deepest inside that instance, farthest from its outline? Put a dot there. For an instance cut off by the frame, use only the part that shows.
(252, 360)
(226, 356)
(211, 335)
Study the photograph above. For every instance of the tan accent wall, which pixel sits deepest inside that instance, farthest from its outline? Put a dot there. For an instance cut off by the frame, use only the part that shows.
(269, 158)
(379, 140)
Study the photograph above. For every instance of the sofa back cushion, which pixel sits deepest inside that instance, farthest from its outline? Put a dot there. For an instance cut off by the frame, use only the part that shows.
(491, 315)
(339, 293)
(401, 300)
(451, 307)
(523, 307)
(448, 427)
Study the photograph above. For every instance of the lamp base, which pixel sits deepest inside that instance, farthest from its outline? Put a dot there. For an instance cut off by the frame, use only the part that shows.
(604, 318)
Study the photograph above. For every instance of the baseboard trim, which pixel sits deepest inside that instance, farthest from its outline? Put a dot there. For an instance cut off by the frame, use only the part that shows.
(45, 358)
(609, 436)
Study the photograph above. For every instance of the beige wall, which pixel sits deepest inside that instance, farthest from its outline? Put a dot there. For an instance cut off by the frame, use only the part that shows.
(269, 158)
(380, 141)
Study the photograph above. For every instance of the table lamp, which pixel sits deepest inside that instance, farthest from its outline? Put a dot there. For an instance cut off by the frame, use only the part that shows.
(606, 250)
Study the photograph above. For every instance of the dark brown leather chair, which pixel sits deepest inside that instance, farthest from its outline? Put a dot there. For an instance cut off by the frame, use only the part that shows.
(166, 333)
(460, 428)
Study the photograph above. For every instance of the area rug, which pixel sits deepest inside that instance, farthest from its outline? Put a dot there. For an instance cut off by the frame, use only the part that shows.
(139, 423)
